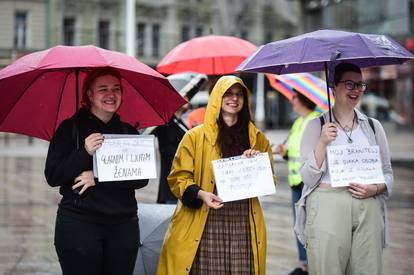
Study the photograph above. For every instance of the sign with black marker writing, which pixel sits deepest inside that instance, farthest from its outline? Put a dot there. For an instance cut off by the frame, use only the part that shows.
(354, 164)
(125, 157)
(242, 177)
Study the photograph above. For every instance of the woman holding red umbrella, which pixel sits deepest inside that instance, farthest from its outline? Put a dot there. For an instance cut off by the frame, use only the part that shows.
(96, 226)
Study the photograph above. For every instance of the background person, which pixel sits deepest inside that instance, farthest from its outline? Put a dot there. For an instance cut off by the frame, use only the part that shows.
(345, 228)
(206, 236)
(169, 136)
(305, 108)
(96, 228)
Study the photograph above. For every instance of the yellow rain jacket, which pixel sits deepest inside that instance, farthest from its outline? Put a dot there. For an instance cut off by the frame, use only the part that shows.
(192, 165)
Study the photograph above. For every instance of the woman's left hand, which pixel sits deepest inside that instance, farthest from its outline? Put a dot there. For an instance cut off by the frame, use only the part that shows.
(250, 153)
(362, 191)
(84, 180)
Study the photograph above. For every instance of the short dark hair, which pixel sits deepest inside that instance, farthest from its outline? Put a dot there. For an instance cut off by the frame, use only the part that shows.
(305, 101)
(90, 80)
(343, 68)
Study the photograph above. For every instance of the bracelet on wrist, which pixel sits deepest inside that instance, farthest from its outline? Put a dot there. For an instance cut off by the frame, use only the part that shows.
(376, 192)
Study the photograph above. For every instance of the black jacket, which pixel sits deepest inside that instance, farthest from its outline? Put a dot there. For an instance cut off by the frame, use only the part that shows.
(107, 202)
(169, 136)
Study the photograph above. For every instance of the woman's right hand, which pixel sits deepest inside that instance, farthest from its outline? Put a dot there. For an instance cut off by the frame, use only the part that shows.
(329, 133)
(280, 149)
(93, 142)
(211, 200)
(84, 180)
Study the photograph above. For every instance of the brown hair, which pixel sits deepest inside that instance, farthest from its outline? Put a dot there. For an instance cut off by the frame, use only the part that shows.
(310, 105)
(343, 68)
(234, 140)
(90, 80)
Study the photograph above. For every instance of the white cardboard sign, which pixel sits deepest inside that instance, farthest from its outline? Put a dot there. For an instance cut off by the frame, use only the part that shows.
(241, 177)
(354, 163)
(125, 157)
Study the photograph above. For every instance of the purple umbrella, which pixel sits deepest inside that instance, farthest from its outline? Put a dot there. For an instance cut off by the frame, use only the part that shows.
(314, 51)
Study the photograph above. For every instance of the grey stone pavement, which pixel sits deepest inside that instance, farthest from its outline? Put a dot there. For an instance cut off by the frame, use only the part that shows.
(28, 207)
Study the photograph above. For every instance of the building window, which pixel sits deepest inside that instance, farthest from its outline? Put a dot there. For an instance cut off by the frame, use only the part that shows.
(185, 33)
(104, 34)
(155, 40)
(69, 31)
(141, 39)
(244, 35)
(268, 37)
(20, 29)
(199, 31)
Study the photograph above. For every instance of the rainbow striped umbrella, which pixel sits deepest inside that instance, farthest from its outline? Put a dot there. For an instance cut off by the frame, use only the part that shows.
(307, 84)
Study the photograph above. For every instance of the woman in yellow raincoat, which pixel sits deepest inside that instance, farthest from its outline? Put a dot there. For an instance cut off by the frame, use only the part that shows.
(207, 236)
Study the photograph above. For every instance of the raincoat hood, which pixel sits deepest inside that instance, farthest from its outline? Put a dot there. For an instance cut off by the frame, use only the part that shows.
(215, 101)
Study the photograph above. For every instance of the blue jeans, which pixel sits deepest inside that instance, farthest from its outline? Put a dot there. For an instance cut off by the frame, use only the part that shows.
(296, 193)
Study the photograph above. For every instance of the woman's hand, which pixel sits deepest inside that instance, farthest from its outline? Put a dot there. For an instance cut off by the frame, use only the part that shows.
(93, 142)
(363, 191)
(328, 133)
(84, 180)
(250, 153)
(280, 149)
(211, 200)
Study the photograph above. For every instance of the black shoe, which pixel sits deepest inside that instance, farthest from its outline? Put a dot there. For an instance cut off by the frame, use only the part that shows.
(298, 271)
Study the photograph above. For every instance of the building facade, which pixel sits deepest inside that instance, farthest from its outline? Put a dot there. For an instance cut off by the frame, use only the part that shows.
(32, 25)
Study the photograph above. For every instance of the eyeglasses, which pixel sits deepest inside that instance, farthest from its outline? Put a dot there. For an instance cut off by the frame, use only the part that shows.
(351, 85)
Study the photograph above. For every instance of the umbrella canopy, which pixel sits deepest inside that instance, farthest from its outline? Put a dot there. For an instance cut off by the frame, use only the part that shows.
(314, 51)
(211, 55)
(309, 52)
(40, 90)
(307, 84)
(153, 223)
(187, 83)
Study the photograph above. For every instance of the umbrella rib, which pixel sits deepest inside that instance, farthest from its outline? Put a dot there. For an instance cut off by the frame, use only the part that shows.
(369, 48)
(61, 96)
(156, 111)
(22, 94)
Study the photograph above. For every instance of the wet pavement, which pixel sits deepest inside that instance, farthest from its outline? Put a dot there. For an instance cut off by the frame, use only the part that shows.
(28, 207)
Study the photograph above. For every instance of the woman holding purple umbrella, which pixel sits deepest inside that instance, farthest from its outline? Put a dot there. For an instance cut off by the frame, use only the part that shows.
(344, 228)
(96, 225)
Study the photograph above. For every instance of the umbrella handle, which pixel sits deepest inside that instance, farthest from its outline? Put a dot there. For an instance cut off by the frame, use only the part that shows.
(77, 105)
(327, 92)
(330, 78)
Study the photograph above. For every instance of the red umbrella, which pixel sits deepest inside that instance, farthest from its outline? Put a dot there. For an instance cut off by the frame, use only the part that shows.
(212, 55)
(38, 91)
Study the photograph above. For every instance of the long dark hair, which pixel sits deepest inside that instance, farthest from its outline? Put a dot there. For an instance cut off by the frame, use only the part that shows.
(234, 140)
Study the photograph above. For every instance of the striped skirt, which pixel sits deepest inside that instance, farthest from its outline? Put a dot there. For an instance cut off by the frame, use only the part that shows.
(225, 247)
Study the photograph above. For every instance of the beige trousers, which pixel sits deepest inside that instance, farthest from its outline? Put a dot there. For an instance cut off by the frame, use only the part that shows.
(344, 234)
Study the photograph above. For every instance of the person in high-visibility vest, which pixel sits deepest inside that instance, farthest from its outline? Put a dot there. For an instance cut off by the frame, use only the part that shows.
(305, 108)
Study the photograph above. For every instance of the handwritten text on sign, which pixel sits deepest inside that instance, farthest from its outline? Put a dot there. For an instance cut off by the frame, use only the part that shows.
(125, 157)
(241, 177)
(352, 163)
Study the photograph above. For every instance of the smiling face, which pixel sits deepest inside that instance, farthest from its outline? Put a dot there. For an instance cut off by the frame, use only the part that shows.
(105, 96)
(346, 97)
(232, 101)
